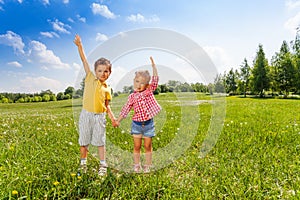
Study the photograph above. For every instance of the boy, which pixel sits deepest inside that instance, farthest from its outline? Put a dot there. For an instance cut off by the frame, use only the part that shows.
(145, 108)
(96, 97)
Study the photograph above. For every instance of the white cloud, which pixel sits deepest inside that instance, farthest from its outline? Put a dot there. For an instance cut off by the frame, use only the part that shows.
(49, 34)
(293, 23)
(20, 1)
(219, 57)
(102, 10)
(60, 26)
(291, 5)
(141, 19)
(15, 64)
(35, 84)
(70, 20)
(82, 19)
(14, 40)
(42, 55)
(65, 1)
(46, 2)
(101, 37)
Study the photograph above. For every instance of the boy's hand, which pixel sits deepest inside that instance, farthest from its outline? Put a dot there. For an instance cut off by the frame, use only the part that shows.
(115, 123)
(77, 40)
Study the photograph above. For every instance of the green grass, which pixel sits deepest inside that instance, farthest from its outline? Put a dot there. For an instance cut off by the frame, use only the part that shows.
(256, 155)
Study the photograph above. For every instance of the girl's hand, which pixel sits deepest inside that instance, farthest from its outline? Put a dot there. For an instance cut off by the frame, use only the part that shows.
(152, 61)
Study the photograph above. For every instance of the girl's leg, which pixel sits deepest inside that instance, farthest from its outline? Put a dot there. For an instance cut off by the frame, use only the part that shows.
(148, 150)
(137, 142)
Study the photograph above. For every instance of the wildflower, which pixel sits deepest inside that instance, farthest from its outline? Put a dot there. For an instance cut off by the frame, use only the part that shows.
(70, 143)
(73, 174)
(79, 177)
(122, 131)
(178, 129)
(14, 192)
(55, 183)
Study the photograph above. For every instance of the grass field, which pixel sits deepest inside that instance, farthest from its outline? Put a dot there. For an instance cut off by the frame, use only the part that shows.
(256, 155)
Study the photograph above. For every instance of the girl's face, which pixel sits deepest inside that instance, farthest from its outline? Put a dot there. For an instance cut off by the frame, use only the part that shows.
(102, 72)
(140, 83)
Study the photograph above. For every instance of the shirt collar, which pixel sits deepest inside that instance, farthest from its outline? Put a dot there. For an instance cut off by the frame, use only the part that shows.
(101, 83)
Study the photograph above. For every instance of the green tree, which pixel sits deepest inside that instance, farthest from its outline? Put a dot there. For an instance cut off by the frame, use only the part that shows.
(296, 59)
(46, 97)
(231, 81)
(284, 70)
(69, 91)
(244, 76)
(260, 79)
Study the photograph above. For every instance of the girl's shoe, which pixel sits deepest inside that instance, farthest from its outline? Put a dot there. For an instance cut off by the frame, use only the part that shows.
(137, 168)
(146, 168)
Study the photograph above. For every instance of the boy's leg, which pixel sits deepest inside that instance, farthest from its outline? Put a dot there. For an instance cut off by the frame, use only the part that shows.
(103, 166)
(101, 152)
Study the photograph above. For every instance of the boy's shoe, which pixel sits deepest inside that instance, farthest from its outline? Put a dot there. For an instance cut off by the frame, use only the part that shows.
(82, 169)
(146, 168)
(137, 168)
(102, 170)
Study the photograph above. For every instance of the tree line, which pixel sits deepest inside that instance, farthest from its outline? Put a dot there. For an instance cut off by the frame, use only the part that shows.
(279, 77)
(43, 96)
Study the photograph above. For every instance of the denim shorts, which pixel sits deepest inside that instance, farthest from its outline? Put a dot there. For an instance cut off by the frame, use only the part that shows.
(145, 128)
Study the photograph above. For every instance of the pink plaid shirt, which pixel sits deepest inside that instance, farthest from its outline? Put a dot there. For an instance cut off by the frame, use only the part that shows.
(144, 103)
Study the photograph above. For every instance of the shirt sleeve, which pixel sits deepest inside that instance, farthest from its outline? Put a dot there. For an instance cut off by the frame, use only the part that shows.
(126, 108)
(154, 83)
(108, 94)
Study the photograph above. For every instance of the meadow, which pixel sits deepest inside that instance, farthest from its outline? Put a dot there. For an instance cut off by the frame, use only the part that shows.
(256, 156)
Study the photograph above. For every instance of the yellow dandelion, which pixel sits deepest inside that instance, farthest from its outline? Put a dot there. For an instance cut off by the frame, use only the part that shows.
(55, 183)
(73, 174)
(79, 177)
(14, 192)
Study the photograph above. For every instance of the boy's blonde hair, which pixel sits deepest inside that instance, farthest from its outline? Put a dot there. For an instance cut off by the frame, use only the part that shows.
(145, 74)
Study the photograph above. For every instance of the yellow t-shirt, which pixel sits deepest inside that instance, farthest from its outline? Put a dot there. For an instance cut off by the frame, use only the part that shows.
(95, 93)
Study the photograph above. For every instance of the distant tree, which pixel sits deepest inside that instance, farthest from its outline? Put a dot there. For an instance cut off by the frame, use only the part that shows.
(5, 100)
(163, 88)
(218, 86)
(296, 59)
(284, 72)
(69, 91)
(46, 97)
(244, 76)
(231, 81)
(60, 96)
(53, 97)
(260, 79)
(67, 96)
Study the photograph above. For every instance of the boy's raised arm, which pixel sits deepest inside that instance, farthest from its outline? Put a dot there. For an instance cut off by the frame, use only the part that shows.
(78, 43)
(155, 73)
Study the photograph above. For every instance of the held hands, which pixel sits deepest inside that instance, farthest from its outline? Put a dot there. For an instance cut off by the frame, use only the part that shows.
(115, 123)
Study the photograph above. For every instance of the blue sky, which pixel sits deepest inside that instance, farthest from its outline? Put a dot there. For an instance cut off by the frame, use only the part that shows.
(36, 37)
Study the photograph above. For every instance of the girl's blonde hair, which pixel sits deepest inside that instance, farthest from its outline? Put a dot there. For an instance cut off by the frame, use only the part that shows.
(144, 73)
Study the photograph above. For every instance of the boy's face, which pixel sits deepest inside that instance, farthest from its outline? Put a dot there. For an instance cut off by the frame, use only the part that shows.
(140, 83)
(102, 72)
